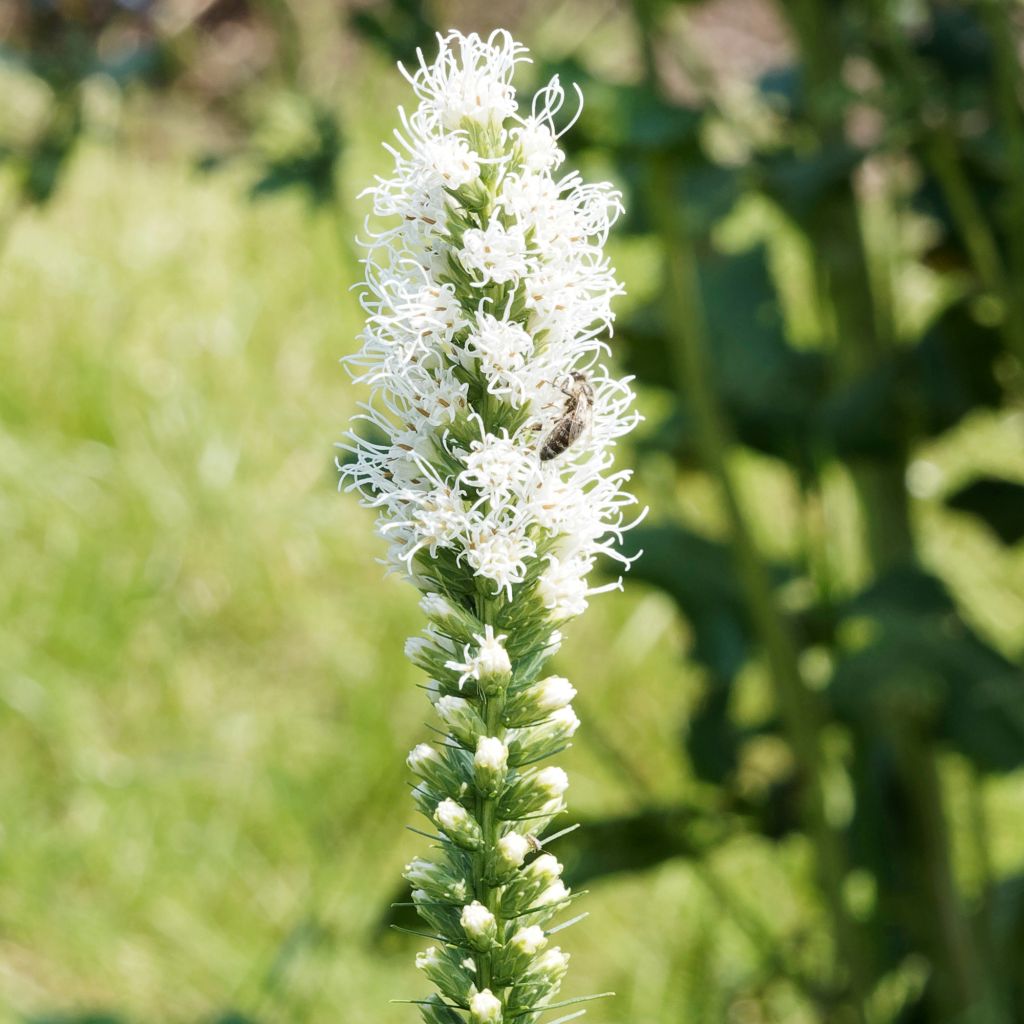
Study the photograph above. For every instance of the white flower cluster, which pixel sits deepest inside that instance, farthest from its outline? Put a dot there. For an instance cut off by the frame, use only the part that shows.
(486, 290)
(487, 449)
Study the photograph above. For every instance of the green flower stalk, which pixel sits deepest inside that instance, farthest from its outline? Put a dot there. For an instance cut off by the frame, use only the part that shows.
(488, 456)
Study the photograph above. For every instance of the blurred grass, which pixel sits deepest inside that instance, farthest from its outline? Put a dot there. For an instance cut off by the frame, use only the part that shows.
(204, 709)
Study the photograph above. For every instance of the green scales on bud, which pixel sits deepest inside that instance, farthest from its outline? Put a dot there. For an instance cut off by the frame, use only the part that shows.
(534, 792)
(434, 1010)
(435, 769)
(450, 970)
(450, 619)
(458, 824)
(526, 890)
(437, 880)
(536, 742)
(520, 951)
(430, 653)
(535, 702)
(539, 982)
(462, 720)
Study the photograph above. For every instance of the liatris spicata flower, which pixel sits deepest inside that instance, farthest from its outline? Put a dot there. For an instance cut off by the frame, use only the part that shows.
(487, 451)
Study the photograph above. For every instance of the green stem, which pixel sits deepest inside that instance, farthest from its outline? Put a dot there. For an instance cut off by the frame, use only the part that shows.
(490, 826)
(800, 713)
(942, 153)
(958, 979)
(944, 157)
(864, 339)
(1008, 80)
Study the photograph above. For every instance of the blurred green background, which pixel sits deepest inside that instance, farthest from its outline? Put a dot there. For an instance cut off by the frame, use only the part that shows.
(801, 771)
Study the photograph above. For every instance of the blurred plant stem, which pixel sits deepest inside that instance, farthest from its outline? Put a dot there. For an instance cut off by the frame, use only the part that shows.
(1007, 74)
(942, 152)
(960, 992)
(862, 339)
(692, 370)
(864, 333)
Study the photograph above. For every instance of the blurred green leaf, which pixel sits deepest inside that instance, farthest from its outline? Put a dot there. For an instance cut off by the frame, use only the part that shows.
(397, 27)
(1007, 903)
(311, 169)
(955, 42)
(637, 842)
(698, 574)
(801, 181)
(998, 503)
(705, 191)
(925, 668)
(916, 391)
(711, 738)
(627, 119)
(953, 369)
(768, 388)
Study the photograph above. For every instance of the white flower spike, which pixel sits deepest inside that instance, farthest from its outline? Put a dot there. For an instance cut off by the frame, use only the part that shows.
(487, 451)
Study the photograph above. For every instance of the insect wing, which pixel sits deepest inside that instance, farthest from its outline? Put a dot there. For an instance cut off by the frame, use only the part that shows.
(577, 420)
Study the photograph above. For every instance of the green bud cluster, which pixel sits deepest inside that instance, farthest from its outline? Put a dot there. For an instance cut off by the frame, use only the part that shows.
(492, 891)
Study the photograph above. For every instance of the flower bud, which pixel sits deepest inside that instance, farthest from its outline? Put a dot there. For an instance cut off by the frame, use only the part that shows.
(485, 1008)
(445, 969)
(491, 764)
(510, 853)
(533, 793)
(434, 1010)
(532, 903)
(436, 606)
(437, 880)
(525, 890)
(551, 782)
(449, 618)
(493, 658)
(430, 765)
(536, 742)
(536, 701)
(461, 719)
(545, 868)
(429, 653)
(518, 952)
(490, 666)
(551, 965)
(479, 924)
(539, 980)
(439, 917)
(556, 892)
(421, 757)
(458, 824)
(529, 941)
